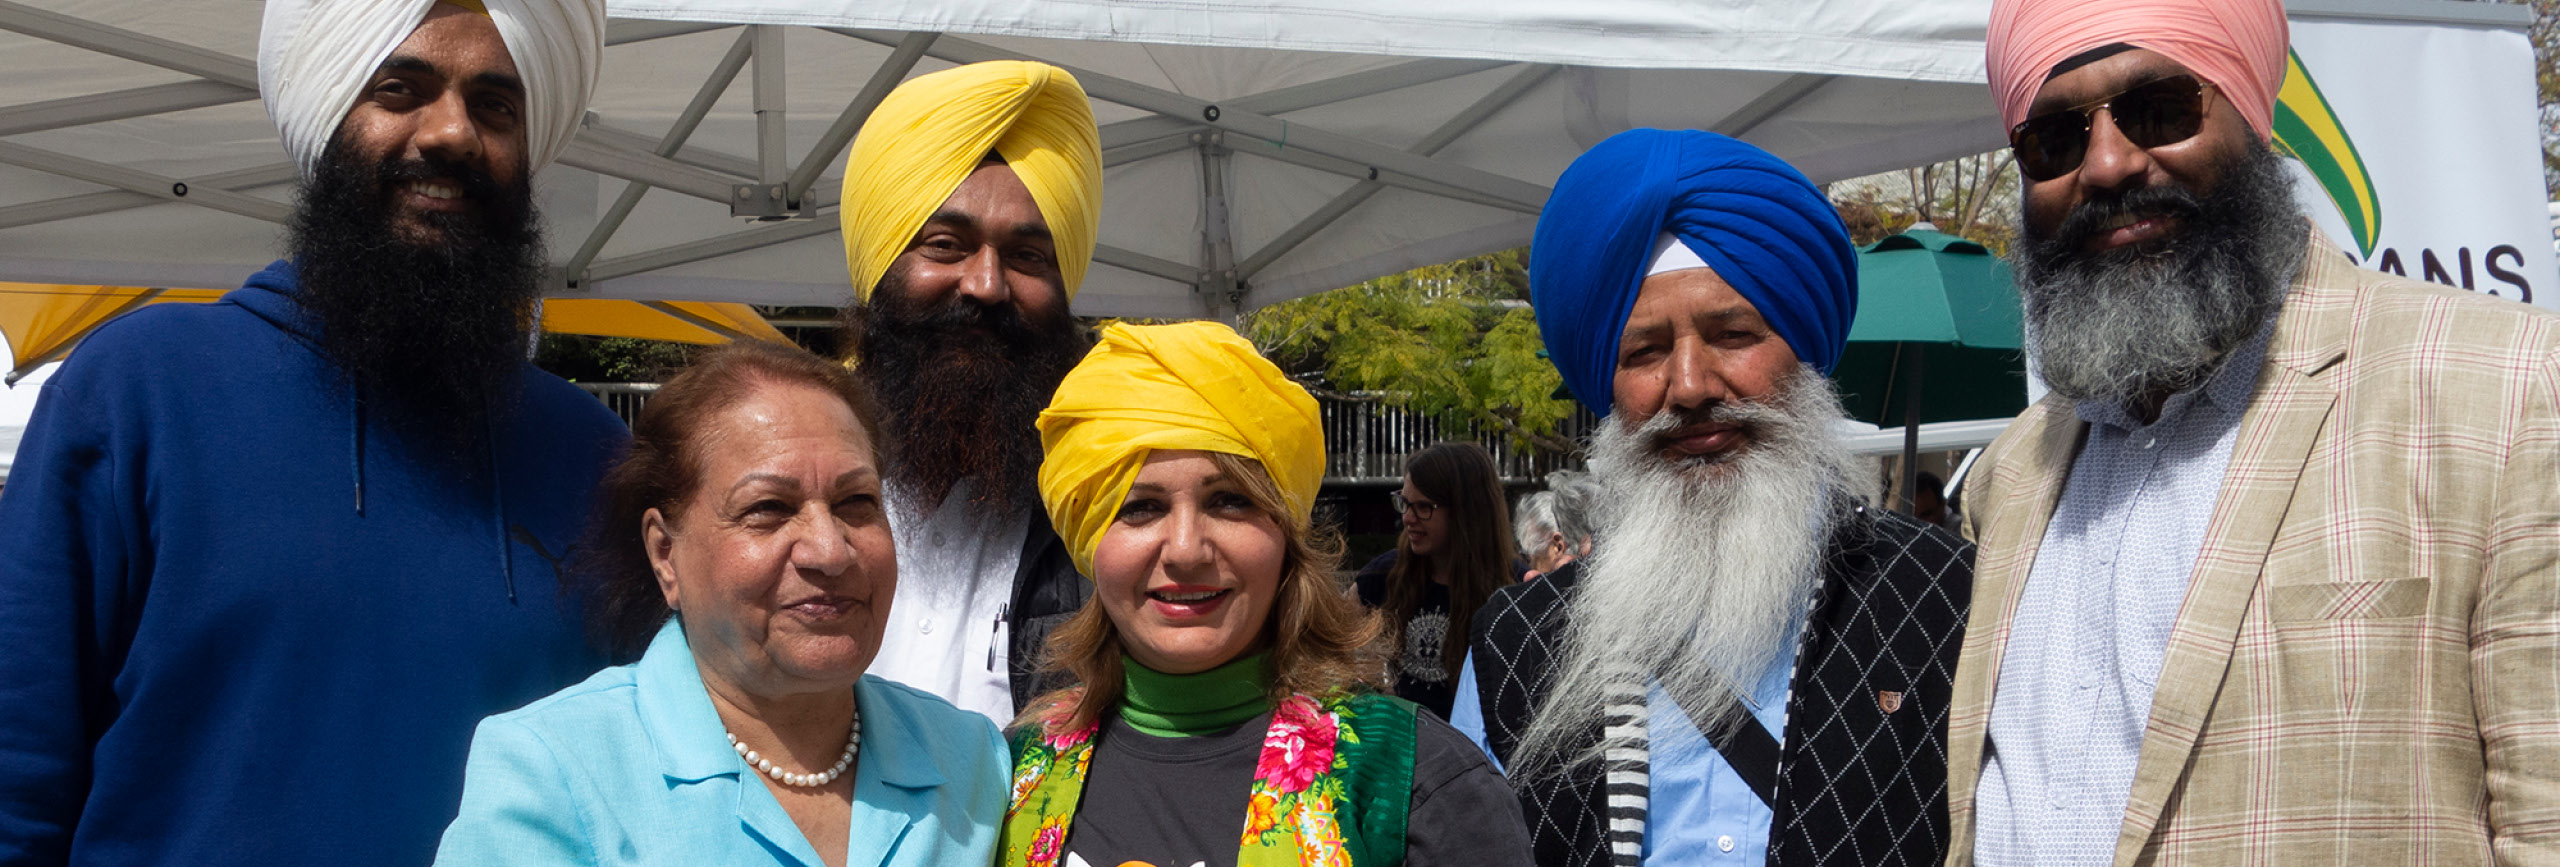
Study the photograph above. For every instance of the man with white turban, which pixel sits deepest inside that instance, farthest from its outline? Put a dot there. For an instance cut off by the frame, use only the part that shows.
(970, 205)
(2272, 576)
(264, 563)
(1751, 667)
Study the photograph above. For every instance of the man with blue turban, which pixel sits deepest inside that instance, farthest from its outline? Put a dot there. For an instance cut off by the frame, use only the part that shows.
(1752, 666)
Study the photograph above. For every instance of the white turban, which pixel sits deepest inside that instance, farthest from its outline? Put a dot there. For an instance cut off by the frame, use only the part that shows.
(315, 57)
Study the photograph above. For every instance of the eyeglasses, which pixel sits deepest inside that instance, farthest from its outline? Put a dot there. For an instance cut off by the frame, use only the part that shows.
(2160, 112)
(1421, 511)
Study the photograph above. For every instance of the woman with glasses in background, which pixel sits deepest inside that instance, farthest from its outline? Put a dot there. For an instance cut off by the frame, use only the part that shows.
(1455, 550)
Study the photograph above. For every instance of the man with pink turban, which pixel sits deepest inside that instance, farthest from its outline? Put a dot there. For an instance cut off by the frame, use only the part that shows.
(2268, 578)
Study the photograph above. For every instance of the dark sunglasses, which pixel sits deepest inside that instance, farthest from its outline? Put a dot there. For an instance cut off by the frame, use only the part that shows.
(2160, 112)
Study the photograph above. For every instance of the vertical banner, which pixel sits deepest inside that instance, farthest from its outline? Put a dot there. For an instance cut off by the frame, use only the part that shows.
(2419, 151)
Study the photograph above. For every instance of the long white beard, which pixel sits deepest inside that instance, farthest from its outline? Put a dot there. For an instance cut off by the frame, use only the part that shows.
(1698, 572)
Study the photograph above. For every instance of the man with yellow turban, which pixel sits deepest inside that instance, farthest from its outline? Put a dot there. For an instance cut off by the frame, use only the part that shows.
(1221, 677)
(265, 563)
(970, 205)
(2270, 576)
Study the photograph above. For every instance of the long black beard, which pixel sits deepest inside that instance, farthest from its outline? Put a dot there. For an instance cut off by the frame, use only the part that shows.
(428, 332)
(962, 385)
(2151, 320)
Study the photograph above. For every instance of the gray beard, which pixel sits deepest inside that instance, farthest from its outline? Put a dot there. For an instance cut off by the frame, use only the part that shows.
(1698, 572)
(2144, 322)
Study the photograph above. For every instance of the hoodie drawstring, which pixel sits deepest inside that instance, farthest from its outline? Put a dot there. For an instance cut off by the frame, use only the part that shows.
(498, 506)
(355, 445)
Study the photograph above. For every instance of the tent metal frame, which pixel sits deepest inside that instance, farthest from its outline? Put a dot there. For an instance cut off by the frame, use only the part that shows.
(781, 195)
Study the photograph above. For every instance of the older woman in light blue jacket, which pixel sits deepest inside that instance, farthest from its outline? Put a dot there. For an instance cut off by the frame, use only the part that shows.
(744, 542)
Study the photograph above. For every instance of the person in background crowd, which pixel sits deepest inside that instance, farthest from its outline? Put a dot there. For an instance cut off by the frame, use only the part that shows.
(1454, 552)
(1929, 503)
(1554, 525)
(971, 199)
(1751, 666)
(264, 562)
(1222, 675)
(743, 553)
(2272, 575)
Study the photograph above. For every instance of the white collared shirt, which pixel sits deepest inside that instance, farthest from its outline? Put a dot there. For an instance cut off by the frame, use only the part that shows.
(946, 633)
(2091, 630)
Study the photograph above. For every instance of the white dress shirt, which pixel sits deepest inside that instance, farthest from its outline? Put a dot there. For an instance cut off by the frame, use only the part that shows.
(946, 633)
(2092, 626)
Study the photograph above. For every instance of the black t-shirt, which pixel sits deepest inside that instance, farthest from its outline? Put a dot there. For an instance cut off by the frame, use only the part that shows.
(1177, 802)
(1421, 676)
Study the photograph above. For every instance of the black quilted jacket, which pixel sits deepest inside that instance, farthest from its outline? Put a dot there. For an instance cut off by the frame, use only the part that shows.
(1858, 784)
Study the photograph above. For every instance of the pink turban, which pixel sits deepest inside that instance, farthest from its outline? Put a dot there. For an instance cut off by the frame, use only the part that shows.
(2238, 45)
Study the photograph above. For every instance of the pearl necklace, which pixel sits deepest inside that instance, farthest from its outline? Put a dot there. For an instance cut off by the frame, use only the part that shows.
(852, 741)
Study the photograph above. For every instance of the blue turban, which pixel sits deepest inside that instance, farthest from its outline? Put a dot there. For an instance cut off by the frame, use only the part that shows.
(1755, 220)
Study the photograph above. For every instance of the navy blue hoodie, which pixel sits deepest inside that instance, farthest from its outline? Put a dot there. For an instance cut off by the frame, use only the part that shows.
(239, 626)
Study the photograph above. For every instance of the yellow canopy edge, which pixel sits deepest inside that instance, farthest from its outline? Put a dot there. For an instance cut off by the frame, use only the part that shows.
(44, 321)
(679, 321)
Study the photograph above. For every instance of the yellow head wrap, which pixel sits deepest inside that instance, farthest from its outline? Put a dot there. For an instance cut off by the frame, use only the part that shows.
(1195, 385)
(931, 132)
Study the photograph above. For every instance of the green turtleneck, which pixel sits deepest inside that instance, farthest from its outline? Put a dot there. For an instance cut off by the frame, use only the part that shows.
(1184, 705)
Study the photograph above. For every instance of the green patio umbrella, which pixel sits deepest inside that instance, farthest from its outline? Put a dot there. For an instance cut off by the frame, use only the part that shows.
(1937, 337)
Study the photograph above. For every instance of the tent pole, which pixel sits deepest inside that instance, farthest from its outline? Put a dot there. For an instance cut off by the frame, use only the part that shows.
(1780, 98)
(1911, 423)
(1219, 290)
(158, 186)
(688, 318)
(772, 163)
(1467, 120)
(722, 74)
(831, 145)
(711, 248)
(111, 201)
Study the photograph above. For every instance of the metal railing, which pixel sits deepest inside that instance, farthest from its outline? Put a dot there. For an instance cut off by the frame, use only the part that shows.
(1365, 442)
(624, 398)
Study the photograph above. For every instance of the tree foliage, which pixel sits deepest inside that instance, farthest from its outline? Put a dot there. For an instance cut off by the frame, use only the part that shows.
(2545, 35)
(1456, 341)
(584, 358)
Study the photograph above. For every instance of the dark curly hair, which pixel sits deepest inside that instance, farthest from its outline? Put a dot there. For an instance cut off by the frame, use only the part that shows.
(662, 466)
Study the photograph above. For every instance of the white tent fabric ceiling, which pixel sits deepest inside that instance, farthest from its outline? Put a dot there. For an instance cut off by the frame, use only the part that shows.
(1257, 151)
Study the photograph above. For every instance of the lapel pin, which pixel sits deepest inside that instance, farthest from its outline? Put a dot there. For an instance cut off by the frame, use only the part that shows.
(1888, 699)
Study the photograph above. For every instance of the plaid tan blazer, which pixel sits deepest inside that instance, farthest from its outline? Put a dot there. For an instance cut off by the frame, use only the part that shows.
(2366, 669)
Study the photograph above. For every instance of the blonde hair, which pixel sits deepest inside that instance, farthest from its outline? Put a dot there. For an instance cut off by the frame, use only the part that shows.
(1321, 643)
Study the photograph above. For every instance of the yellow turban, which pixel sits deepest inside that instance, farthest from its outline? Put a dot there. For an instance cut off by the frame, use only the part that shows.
(1195, 385)
(930, 133)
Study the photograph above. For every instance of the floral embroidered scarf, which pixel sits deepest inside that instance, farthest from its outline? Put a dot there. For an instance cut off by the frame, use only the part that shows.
(1332, 787)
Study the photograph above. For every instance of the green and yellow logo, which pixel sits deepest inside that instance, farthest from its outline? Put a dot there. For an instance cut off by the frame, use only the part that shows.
(2308, 131)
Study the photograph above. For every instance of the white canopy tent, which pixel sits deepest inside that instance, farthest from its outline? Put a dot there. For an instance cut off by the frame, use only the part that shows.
(1256, 152)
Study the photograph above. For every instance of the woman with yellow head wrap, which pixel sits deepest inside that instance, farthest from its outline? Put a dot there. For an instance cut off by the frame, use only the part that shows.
(1225, 676)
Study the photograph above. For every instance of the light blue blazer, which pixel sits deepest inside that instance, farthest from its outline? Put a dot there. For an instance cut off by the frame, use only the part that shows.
(630, 767)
